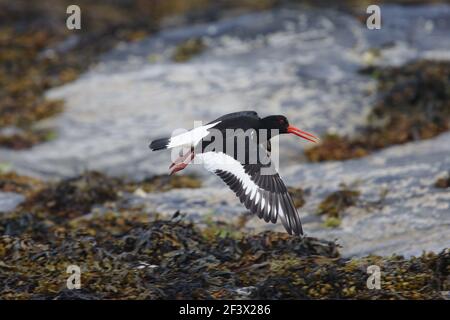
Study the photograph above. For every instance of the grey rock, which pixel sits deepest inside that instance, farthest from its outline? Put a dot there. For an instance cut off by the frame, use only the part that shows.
(10, 200)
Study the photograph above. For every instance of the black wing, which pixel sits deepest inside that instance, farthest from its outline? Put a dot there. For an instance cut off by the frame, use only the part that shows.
(270, 200)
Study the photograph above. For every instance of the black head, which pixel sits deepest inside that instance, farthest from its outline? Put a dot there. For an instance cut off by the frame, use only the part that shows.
(276, 122)
(281, 124)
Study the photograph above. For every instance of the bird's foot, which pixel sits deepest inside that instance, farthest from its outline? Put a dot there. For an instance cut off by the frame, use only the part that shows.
(179, 164)
(178, 167)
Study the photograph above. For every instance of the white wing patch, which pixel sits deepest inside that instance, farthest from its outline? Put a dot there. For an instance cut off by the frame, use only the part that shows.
(268, 203)
(192, 137)
(213, 161)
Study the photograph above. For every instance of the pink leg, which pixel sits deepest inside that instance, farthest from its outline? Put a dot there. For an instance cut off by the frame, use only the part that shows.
(180, 163)
(182, 158)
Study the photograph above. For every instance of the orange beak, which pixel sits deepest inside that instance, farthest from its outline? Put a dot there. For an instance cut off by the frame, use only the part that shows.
(302, 134)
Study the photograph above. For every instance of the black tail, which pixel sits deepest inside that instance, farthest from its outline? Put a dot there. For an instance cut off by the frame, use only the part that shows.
(159, 144)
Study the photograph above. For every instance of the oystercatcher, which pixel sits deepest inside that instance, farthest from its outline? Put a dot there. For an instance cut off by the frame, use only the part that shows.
(236, 147)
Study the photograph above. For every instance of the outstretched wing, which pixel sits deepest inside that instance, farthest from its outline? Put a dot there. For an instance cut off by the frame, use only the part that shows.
(259, 187)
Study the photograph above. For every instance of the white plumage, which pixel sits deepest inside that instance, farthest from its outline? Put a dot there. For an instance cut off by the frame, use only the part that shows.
(213, 161)
(192, 137)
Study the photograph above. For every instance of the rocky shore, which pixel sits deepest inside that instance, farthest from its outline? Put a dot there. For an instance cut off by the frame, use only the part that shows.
(78, 184)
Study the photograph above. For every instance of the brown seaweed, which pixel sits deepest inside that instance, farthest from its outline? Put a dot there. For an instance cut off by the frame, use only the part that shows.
(414, 104)
(124, 253)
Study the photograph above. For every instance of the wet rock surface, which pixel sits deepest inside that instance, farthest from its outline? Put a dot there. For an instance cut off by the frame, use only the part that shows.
(301, 63)
(9, 201)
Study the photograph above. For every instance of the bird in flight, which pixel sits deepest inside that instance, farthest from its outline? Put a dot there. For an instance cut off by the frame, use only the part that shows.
(236, 147)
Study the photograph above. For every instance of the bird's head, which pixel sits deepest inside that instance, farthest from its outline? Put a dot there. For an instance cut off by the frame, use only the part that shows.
(281, 124)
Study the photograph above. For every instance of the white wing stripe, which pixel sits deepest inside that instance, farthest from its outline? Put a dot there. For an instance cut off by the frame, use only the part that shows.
(278, 204)
(213, 161)
(191, 137)
(254, 193)
(257, 198)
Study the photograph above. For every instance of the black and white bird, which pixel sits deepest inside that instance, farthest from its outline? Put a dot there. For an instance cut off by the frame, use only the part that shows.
(236, 147)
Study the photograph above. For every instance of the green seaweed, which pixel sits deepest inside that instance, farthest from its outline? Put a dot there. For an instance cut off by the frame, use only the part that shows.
(332, 222)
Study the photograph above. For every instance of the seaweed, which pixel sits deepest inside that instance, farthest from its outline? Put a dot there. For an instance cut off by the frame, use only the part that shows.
(26, 139)
(51, 203)
(325, 278)
(13, 182)
(298, 196)
(188, 49)
(136, 258)
(124, 253)
(414, 104)
(24, 79)
(332, 222)
(166, 259)
(443, 182)
(164, 183)
(73, 196)
(338, 201)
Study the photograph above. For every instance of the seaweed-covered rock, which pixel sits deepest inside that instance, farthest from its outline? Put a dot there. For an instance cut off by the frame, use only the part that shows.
(25, 139)
(125, 253)
(414, 104)
(443, 182)
(338, 201)
(188, 49)
(135, 258)
(165, 182)
(321, 278)
(75, 196)
(13, 182)
(298, 196)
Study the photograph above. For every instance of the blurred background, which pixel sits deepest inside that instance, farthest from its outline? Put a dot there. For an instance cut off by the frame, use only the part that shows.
(78, 109)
